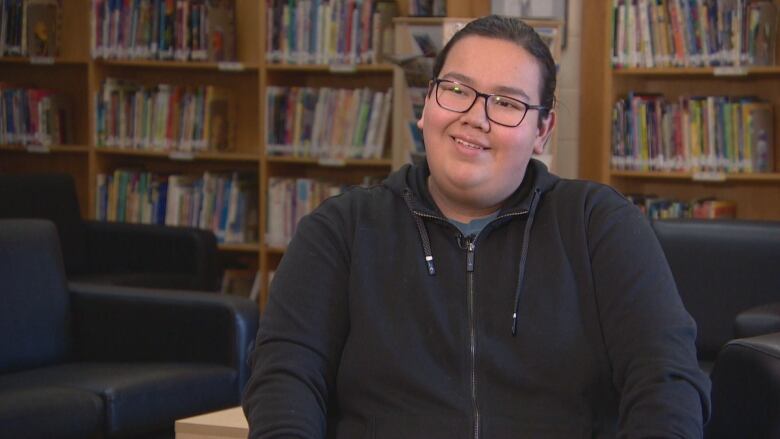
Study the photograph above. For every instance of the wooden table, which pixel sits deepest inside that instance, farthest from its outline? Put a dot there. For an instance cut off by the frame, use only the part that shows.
(228, 423)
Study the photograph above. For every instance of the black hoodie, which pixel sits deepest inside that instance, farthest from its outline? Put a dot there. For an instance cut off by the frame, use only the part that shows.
(559, 320)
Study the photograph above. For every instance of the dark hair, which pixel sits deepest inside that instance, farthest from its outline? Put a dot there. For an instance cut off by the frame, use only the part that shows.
(516, 31)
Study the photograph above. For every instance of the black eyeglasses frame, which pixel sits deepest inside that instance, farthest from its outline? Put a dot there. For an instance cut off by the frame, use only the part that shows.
(434, 84)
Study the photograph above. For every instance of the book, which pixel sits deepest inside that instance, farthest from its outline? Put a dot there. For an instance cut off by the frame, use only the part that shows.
(714, 209)
(762, 32)
(42, 27)
(760, 128)
(221, 30)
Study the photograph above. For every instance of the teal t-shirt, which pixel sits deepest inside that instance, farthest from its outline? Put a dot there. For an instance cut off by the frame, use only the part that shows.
(474, 226)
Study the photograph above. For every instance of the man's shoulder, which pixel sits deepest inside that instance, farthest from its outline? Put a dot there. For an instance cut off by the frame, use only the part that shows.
(584, 193)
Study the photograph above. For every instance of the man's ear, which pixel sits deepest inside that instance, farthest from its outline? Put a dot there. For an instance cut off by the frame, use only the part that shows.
(428, 96)
(544, 131)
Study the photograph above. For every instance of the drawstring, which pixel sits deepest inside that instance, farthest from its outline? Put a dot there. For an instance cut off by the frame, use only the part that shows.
(524, 256)
(426, 242)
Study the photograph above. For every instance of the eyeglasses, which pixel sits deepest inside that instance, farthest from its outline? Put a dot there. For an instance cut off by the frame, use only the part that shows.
(503, 110)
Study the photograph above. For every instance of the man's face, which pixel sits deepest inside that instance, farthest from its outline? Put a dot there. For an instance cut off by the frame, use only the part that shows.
(473, 159)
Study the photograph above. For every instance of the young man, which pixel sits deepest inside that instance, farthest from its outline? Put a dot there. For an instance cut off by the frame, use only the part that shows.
(477, 296)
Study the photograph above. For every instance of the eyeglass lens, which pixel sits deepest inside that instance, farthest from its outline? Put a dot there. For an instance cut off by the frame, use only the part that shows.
(500, 109)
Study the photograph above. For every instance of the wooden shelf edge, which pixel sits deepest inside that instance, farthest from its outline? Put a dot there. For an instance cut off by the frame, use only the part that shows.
(329, 163)
(691, 176)
(42, 61)
(182, 155)
(358, 68)
(231, 67)
(727, 72)
(39, 149)
(242, 248)
(275, 250)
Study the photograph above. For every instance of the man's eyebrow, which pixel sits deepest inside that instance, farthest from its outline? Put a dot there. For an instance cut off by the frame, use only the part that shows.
(501, 89)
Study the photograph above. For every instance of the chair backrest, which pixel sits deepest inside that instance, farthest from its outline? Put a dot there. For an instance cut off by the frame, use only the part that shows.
(52, 197)
(34, 304)
(721, 267)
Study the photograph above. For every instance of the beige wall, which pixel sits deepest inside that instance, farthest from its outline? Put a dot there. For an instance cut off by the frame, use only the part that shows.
(568, 97)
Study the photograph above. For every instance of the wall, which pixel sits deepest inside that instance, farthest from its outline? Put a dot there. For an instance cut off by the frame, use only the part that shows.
(569, 78)
(569, 96)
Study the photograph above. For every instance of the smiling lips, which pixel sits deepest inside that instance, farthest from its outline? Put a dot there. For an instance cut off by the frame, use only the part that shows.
(469, 145)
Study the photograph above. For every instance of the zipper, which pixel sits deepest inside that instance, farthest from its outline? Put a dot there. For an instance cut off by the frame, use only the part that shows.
(470, 247)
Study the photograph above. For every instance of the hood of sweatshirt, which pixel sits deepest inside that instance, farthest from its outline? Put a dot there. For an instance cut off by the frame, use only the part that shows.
(411, 184)
(414, 179)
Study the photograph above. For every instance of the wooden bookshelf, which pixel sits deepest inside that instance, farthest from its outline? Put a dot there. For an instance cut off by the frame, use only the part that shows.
(79, 76)
(757, 194)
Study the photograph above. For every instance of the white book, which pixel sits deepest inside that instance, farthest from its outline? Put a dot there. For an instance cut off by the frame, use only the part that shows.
(384, 124)
(172, 201)
(274, 227)
(373, 125)
(319, 116)
(231, 232)
(647, 46)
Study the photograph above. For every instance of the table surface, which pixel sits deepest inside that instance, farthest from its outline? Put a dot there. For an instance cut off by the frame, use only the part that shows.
(228, 423)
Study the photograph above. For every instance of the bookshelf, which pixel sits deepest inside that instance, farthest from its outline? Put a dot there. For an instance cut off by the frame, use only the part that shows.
(78, 75)
(757, 194)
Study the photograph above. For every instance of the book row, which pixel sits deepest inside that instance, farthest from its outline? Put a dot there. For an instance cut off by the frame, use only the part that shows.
(696, 133)
(183, 30)
(328, 31)
(327, 122)
(30, 27)
(290, 199)
(32, 116)
(689, 33)
(656, 207)
(225, 203)
(163, 116)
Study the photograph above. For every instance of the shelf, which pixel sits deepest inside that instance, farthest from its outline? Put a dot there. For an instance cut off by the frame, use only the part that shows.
(40, 149)
(279, 251)
(230, 67)
(704, 177)
(332, 163)
(736, 71)
(240, 248)
(41, 61)
(181, 155)
(336, 68)
(422, 21)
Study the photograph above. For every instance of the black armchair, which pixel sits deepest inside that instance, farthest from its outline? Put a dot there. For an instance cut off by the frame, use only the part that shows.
(728, 276)
(113, 253)
(746, 389)
(86, 360)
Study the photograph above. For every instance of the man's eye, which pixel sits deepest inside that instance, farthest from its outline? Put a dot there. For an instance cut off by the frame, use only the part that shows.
(506, 103)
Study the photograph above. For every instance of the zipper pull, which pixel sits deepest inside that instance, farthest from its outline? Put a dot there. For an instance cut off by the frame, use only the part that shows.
(469, 255)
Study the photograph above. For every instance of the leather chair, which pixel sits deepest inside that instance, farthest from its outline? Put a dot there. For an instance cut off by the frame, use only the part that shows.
(746, 389)
(87, 360)
(139, 255)
(728, 276)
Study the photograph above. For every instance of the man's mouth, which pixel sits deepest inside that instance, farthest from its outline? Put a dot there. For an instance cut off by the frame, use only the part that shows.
(469, 145)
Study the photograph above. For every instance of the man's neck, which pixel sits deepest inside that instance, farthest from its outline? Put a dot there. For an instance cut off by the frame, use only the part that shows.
(458, 211)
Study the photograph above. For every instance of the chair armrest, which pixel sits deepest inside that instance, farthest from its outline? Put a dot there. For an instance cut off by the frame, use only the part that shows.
(112, 323)
(746, 389)
(758, 320)
(140, 248)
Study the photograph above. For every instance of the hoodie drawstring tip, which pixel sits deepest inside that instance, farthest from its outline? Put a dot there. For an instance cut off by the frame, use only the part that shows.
(514, 324)
(431, 268)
